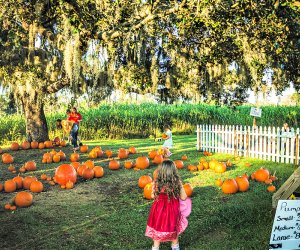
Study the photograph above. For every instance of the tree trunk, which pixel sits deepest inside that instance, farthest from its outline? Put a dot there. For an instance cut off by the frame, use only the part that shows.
(35, 118)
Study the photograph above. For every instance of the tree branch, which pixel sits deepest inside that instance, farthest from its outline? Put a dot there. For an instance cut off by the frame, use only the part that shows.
(56, 86)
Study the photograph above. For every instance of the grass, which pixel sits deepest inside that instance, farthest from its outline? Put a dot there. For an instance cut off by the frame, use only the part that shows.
(111, 213)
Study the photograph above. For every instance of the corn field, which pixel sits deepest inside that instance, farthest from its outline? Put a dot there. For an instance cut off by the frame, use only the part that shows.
(146, 120)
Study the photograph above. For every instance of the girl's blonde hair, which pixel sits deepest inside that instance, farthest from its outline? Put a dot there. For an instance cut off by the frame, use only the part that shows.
(167, 180)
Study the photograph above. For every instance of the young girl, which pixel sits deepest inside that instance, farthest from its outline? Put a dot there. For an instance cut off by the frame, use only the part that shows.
(165, 220)
(168, 140)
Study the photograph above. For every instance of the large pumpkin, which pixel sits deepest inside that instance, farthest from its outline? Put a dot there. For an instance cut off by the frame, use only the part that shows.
(243, 183)
(75, 164)
(123, 153)
(10, 186)
(152, 154)
(220, 167)
(74, 157)
(25, 145)
(212, 164)
(84, 148)
(230, 186)
(89, 164)
(88, 174)
(34, 144)
(62, 155)
(99, 172)
(158, 159)
(36, 187)
(179, 164)
(93, 154)
(30, 166)
(142, 162)
(148, 191)
(19, 181)
(114, 165)
(14, 146)
(7, 158)
(28, 180)
(23, 199)
(188, 189)
(80, 169)
(48, 144)
(144, 180)
(65, 173)
(261, 174)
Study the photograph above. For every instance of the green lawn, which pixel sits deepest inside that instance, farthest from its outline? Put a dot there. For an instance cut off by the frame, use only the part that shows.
(111, 213)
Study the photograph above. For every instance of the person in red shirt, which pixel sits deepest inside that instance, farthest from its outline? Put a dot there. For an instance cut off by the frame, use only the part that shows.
(76, 118)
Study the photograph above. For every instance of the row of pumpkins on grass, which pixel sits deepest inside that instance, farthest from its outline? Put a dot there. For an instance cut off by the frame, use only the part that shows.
(241, 183)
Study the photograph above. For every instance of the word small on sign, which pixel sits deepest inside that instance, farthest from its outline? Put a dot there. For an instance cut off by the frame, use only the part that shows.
(255, 112)
(286, 226)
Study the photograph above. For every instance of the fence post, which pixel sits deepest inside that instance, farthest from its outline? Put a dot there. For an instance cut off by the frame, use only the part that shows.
(247, 143)
(297, 150)
(234, 141)
(198, 138)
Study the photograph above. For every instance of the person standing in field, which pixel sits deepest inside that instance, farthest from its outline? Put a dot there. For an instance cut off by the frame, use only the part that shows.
(168, 143)
(76, 118)
(165, 221)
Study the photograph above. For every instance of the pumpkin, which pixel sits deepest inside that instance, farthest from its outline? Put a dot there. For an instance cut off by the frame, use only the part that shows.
(132, 150)
(14, 146)
(220, 167)
(10, 186)
(164, 136)
(11, 168)
(243, 183)
(144, 180)
(205, 165)
(123, 153)
(7, 206)
(89, 164)
(27, 181)
(188, 189)
(36, 187)
(136, 169)
(184, 158)
(56, 158)
(62, 155)
(75, 164)
(93, 154)
(1, 187)
(262, 174)
(53, 152)
(41, 145)
(246, 176)
(148, 191)
(34, 144)
(7, 158)
(65, 173)
(99, 151)
(25, 145)
(179, 164)
(12, 208)
(44, 177)
(200, 167)
(218, 182)
(192, 168)
(74, 157)
(271, 188)
(81, 169)
(114, 165)
(142, 162)
(84, 148)
(273, 177)
(229, 163)
(99, 172)
(155, 174)
(230, 186)
(161, 151)
(88, 174)
(47, 156)
(108, 153)
(52, 183)
(69, 185)
(30, 166)
(19, 181)
(56, 141)
(212, 164)
(158, 159)
(247, 165)
(253, 176)
(152, 154)
(22, 169)
(23, 199)
(48, 144)
(128, 164)
(63, 186)
(63, 143)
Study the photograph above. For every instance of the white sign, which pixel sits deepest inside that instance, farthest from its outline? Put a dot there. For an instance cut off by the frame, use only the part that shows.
(255, 112)
(286, 226)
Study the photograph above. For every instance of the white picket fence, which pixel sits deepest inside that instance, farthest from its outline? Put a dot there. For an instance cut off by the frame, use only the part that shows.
(268, 143)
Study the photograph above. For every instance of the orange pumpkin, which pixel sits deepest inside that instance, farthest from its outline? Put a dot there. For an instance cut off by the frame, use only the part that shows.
(48, 144)
(63, 143)
(152, 154)
(273, 177)
(7, 206)
(123, 153)
(142, 162)
(268, 181)
(88, 174)
(89, 164)
(205, 165)
(108, 153)
(44, 177)
(11, 168)
(74, 157)
(56, 158)
(144, 180)
(27, 181)
(271, 188)
(229, 163)
(212, 164)
(247, 165)
(148, 191)
(62, 155)
(30, 166)
(14, 146)
(93, 154)
(7, 158)
(41, 145)
(200, 167)
(99, 172)
(262, 174)
(219, 182)
(23, 199)
(75, 164)
(158, 159)
(114, 165)
(36, 187)
(69, 185)
(13, 208)
(179, 164)
(19, 181)
(65, 173)
(128, 164)
(10, 186)
(22, 169)
(188, 189)
(155, 174)
(84, 148)
(192, 168)
(81, 169)
(1, 187)
(132, 150)
(25, 145)
(220, 167)
(34, 144)
(53, 152)
(230, 186)
(243, 183)
(184, 158)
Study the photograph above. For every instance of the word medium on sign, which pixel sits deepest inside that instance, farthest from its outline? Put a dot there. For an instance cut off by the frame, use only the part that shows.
(286, 226)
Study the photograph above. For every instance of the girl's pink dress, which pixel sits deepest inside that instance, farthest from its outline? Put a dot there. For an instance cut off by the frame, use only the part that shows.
(165, 221)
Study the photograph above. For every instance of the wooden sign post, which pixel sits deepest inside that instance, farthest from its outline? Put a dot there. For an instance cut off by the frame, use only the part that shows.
(286, 226)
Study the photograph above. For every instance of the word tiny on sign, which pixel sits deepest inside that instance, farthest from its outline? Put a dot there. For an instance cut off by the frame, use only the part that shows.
(286, 226)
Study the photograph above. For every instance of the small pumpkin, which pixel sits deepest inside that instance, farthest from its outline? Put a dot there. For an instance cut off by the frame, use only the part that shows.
(25, 145)
(23, 199)
(243, 183)
(99, 172)
(89, 164)
(27, 181)
(152, 154)
(44, 177)
(142, 162)
(218, 182)
(62, 155)
(56, 158)
(12, 208)
(192, 168)
(69, 185)
(80, 169)
(158, 159)
(84, 148)
(30, 166)
(132, 150)
(144, 180)
(7, 206)
(148, 191)
(11, 168)
(123, 153)
(220, 167)
(88, 174)
(230, 186)
(205, 165)
(48, 144)
(179, 164)
(212, 164)
(262, 174)
(99, 151)
(188, 189)
(93, 154)
(200, 167)
(34, 144)
(74, 157)
(36, 187)
(10, 186)
(108, 153)
(114, 165)
(63, 143)
(14, 146)
(268, 181)
(184, 157)
(41, 145)
(19, 181)
(271, 188)
(7, 158)
(128, 164)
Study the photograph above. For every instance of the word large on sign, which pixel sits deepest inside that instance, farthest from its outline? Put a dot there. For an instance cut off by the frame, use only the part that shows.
(286, 226)
(256, 112)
